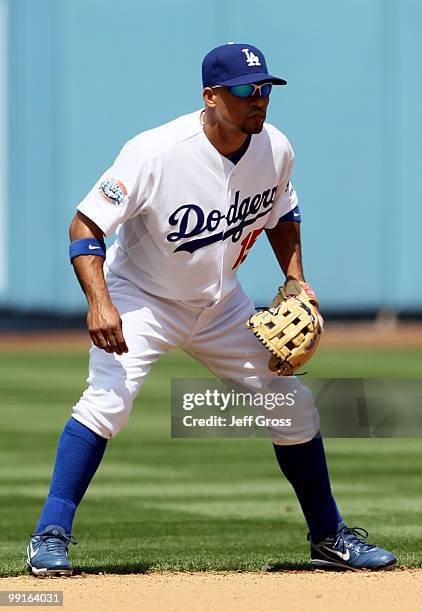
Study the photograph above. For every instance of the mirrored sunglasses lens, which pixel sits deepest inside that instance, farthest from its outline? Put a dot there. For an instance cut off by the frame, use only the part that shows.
(266, 89)
(242, 91)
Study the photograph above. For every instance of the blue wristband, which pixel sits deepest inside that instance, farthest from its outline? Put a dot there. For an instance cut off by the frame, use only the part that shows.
(87, 246)
(292, 215)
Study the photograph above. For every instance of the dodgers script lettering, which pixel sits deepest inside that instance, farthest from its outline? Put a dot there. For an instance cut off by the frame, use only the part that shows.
(191, 221)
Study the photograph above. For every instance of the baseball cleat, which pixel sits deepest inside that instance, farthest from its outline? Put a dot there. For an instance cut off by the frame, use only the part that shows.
(346, 550)
(47, 552)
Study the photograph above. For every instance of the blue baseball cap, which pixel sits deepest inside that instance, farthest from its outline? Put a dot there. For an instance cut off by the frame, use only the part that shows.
(236, 64)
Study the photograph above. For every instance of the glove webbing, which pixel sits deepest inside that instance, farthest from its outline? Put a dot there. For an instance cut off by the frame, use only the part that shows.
(289, 330)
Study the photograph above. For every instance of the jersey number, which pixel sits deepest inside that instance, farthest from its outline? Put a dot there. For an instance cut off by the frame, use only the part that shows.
(247, 243)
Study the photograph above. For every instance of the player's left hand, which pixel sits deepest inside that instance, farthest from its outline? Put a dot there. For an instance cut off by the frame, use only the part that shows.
(290, 328)
(303, 291)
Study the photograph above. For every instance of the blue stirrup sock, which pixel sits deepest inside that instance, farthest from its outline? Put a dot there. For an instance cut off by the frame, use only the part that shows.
(305, 467)
(79, 454)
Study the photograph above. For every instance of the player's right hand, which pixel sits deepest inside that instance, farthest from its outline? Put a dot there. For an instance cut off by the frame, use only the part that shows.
(105, 328)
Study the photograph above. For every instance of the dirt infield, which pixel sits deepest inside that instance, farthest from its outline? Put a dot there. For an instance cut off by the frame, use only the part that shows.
(217, 592)
(352, 335)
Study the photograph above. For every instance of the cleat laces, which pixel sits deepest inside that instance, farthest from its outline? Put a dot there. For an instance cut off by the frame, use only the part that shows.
(353, 537)
(55, 543)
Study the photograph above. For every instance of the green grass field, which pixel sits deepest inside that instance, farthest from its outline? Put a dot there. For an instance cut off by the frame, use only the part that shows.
(162, 504)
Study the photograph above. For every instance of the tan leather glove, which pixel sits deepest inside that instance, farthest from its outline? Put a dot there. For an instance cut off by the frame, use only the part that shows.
(290, 327)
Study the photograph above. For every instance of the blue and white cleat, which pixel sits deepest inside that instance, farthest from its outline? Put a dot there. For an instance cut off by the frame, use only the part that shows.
(345, 550)
(47, 552)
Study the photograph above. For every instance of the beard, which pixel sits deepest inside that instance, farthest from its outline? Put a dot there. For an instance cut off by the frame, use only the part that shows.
(252, 130)
(253, 125)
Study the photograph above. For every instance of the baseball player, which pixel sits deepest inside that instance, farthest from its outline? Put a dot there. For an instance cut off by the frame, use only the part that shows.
(187, 201)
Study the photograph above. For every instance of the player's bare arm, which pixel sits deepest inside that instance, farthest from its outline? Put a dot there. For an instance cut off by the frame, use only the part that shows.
(285, 242)
(103, 319)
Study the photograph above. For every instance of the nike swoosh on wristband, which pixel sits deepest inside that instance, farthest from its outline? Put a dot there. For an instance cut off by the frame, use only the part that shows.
(91, 247)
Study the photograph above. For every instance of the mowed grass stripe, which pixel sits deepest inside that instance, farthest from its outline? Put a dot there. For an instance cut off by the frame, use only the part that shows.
(162, 504)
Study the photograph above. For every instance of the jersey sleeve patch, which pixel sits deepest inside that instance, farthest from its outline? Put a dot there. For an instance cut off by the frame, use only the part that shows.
(114, 192)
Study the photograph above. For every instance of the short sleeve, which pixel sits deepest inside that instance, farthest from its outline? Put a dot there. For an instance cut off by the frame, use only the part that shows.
(120, 193)
(286, 199)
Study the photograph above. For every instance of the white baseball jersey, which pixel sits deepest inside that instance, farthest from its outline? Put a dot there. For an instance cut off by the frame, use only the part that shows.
(184, 215)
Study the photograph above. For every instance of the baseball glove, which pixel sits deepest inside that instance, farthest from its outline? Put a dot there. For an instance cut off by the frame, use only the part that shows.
(290, 328)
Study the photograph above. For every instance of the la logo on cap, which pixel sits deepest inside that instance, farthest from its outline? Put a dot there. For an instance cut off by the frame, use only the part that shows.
(251, 58)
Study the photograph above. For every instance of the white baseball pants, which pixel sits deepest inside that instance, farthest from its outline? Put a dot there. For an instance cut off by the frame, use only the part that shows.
(215, 336)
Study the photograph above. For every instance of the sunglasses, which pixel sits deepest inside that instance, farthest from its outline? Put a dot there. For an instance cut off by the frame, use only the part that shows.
(247, 91)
